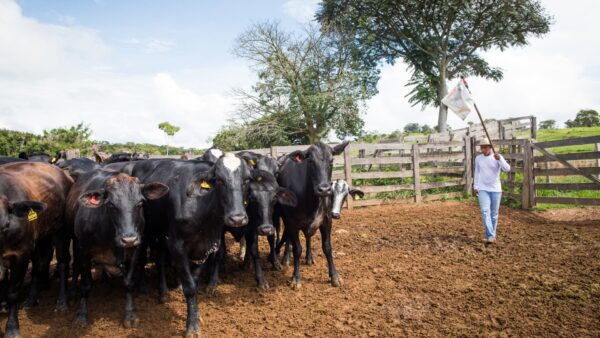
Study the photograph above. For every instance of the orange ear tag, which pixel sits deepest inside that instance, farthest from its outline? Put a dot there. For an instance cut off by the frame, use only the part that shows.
(298, 159)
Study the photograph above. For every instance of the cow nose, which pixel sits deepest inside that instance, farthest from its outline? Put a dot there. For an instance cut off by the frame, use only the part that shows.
(265, 230)
(129, 241)
(336, 215)
(324, 188)
(238, 220)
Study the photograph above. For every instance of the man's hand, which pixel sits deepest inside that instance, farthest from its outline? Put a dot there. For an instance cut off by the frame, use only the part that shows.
(497, 156)
(476, 192)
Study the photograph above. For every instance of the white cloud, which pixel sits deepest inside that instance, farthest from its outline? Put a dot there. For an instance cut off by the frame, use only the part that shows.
(553, 78)
(151, 46)
(301, 10)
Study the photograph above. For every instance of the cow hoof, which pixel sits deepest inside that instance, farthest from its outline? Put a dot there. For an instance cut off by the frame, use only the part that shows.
(277, 266)
(60, 307)
(81, 321)
(131, 321)
(193, 334)
(3, 307)
(295, 285)
(163, 299)
(336, 281)
(263, 287)
(12, 334)
(286, 262)
(211, 290)
(28, 304)
(310, 261)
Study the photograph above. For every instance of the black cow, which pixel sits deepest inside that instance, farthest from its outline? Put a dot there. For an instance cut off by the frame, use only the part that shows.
(40, 157)
(308, 175)
(264, 193)
(339, 193)
(203, 198)
(104, 214)
(32, 203)
(8, 159)
(76, 167)
(211, 155)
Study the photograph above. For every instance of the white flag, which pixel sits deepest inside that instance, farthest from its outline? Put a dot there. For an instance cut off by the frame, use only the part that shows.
(459, 100)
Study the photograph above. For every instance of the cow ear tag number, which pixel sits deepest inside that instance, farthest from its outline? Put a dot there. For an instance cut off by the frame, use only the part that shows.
(32, 215)
(204, 185)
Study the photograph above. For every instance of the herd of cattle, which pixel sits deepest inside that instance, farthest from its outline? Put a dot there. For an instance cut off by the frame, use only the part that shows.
(123, 213)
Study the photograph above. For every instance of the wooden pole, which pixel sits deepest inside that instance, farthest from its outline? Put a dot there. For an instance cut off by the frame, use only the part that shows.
(468, 168)
(416, 172)
(348, 173)
(484, 128)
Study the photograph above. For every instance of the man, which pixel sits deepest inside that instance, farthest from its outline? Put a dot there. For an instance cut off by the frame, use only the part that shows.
(487, 186)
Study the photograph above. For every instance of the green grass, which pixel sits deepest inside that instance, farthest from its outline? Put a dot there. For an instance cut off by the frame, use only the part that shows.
(568, 133)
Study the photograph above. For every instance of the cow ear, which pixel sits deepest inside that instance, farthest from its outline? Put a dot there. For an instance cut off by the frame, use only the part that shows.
(25, 208)
(93, 199)
(286, 197)
(356, 192)
(154, 190)
(339, 148)
(297, 156)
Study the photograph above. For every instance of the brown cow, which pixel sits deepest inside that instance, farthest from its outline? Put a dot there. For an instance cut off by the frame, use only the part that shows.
(32, 203)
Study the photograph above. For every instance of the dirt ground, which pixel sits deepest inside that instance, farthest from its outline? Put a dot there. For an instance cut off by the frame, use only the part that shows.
(419, 270)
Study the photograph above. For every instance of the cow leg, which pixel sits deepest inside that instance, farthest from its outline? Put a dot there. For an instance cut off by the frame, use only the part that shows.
(252, 241)
(188, 285)
(219, 257)
(63, 258)
(85, 287)
(309, 257)
(243, 249)
(273, 253)
(3, 288)
(325, 229)
(43, 249)
(297, 247)
(17, 275)
(131, 319)
(161, 263)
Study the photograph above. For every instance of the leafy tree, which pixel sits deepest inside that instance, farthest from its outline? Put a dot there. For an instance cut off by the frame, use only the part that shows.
(169, 129)
(547, 124)
(412, 128)
(308, 85)
(585, 118)
(439, 40)
(425, 129)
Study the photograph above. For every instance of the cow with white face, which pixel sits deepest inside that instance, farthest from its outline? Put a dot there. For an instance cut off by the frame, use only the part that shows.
(341, 190)
(211, 155)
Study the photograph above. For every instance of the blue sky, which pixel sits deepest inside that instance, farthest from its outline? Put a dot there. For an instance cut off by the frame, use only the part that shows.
(124, 66)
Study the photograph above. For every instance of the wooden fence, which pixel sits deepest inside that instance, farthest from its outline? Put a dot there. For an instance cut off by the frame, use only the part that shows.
(402, 172)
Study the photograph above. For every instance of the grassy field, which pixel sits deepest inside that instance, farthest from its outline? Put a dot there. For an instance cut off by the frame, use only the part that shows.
(568, 133)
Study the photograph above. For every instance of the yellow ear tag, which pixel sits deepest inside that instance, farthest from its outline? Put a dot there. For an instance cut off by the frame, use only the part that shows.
(204, 185)
(32, 215)
(259, 178)
(252, 163)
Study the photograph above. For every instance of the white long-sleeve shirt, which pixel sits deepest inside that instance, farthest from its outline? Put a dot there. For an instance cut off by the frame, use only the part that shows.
(487, 172)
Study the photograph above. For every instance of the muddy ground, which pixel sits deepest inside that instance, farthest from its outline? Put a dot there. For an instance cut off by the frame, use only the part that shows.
(419, 270)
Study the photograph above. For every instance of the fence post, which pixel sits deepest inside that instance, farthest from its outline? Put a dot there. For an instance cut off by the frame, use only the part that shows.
(274, 152)
(468, 167)
(348, 173)
(598, 160)
(528, 190)
(416, 172)
(534, 127)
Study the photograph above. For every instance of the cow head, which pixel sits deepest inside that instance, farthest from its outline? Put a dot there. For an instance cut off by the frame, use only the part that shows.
(341, 190)
(122, 199)
(232, 178)
(13, 217)
(319, 161)
(264, 193)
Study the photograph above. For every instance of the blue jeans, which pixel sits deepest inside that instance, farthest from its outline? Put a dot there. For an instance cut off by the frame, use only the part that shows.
(489, 203)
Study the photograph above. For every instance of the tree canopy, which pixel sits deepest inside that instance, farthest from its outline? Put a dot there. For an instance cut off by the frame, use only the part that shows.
(308, 85)
(439, 40)
(585, 118)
